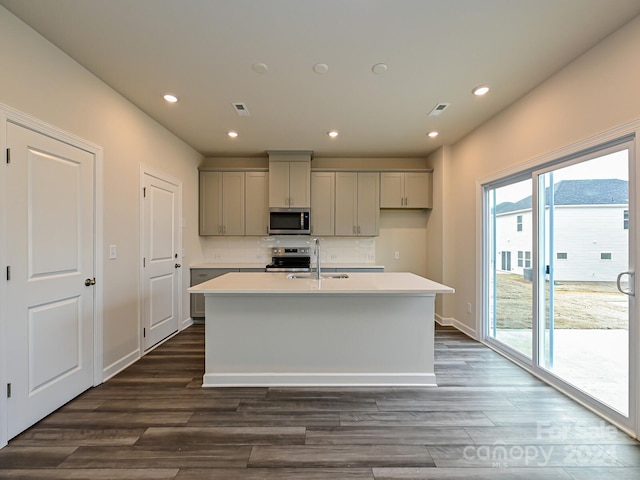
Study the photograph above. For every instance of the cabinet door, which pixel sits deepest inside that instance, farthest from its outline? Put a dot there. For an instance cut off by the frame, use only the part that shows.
(210, 203)
(256, 203)
(323, 203)
(299, 184)
(368, 204)
(233, 203)
(417, 186)
(392, 190)
(278, 184)
(346, 213)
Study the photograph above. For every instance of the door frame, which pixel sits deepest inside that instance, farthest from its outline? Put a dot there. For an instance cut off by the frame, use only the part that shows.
(11, 115)
(558, 156)
(182, 324)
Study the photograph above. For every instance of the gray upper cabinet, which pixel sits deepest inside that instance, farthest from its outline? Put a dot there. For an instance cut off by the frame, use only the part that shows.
(323, 203)
(357, 212)
(256, 203)
(222, 203)
(289, 183)
(406, 190)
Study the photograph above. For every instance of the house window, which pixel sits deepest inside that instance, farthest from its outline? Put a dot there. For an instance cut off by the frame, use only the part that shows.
(520, 258)
(605, 256)
(527, 259)
(625, 220)
(519, 223)
(561, 255)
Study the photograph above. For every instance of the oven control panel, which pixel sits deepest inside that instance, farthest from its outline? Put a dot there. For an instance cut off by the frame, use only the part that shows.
(290, 251)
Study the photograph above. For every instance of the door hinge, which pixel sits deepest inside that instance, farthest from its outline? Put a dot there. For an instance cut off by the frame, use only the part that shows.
(144, 192)
(8, 273)
(8, 155)
(8, 390)
(144, 333)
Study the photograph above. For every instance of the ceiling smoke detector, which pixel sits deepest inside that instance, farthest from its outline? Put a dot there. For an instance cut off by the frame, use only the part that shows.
(438, 109)
(241, 109)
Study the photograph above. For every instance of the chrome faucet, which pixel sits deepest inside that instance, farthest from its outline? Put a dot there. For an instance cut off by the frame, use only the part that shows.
(317, 241)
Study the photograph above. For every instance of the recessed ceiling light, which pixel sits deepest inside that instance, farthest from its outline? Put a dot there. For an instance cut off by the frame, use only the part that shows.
(480, 90)
(379, 68)
(232, 134)
(170, 98)
(260, 67)
(433, 134)
(321, 68)
(333, 133)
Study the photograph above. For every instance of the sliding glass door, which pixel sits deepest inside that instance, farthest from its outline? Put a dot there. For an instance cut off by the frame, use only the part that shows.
(558, 282)
(583, 245)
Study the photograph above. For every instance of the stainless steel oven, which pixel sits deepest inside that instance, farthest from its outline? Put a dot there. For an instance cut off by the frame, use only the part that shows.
(290, 259)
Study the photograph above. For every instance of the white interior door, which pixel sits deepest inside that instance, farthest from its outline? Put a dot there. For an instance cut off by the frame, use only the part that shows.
(50, 249)
(161, 264)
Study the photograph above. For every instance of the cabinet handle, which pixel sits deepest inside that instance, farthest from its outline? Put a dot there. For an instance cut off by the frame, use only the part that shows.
(401, 202)
(358, 229)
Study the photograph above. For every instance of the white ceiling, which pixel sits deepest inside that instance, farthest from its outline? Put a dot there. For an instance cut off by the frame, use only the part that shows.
(436, 51)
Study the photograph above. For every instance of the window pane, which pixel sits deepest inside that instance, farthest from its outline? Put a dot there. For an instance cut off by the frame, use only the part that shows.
(511, 291)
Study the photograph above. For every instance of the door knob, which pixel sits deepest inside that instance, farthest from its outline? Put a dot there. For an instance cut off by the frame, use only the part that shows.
(89, 281)
(178, 265)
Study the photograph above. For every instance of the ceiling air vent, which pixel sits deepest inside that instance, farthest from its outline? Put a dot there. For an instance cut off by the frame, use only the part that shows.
(438, 109)
(241, 109)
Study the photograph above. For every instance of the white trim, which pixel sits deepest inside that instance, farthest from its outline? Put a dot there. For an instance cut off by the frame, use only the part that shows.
(319, 379)
(9, 114)
(457, 324)
(119, 365)
(186, 323)
(152, 172)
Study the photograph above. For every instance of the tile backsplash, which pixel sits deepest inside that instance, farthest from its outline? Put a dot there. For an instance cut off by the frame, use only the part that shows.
(258, 249)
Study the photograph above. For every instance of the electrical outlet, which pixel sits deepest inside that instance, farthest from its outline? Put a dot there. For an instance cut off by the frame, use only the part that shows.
(396, 255)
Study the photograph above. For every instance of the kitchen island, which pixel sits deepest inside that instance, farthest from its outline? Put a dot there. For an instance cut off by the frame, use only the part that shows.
(369, 329)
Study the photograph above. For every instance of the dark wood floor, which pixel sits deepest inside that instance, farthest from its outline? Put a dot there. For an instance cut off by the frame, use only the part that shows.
(486, 419)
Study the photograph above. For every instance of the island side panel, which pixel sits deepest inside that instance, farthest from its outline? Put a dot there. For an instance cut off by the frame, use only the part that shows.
(268, 340)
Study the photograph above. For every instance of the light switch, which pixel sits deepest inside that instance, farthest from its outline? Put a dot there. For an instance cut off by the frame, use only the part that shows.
(112, 252)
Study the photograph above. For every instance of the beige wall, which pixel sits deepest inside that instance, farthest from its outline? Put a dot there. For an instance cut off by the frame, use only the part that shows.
(595, 93)
(40, 80)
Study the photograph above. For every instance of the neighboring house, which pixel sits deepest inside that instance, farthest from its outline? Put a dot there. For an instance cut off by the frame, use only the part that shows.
(590, 231)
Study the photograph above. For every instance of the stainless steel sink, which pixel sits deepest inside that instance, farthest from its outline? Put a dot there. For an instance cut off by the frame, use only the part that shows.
(312, 276)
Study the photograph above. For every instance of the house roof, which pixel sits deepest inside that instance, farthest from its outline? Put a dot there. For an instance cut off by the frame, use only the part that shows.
(610, 191)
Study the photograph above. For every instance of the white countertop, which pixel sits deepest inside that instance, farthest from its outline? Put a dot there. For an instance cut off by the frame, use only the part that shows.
(229, 265)
(392, 283)
(262, 265)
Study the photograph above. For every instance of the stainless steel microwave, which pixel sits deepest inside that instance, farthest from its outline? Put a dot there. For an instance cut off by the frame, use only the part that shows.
(289, 221)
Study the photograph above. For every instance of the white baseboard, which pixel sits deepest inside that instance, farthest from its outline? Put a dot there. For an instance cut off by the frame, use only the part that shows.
(319, 379)
(452, 322)
(119, 365)
(187, 322)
